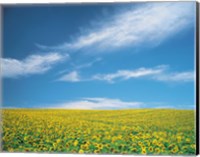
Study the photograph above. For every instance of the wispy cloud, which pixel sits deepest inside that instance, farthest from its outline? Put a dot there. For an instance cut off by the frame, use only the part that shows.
(148, 23)
(187, 76)
(98, 103)
(70, 77)
(87, 65)
(158, 73)
(33, 64)
(128, 74)
(79, 66)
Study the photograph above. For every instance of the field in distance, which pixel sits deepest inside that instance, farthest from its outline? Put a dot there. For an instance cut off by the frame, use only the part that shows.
(134, 131)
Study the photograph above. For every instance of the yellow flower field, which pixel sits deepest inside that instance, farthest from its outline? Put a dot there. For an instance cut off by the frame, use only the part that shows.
(137, 131)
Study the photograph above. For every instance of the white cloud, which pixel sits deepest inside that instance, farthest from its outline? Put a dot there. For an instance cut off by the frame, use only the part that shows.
(128, 74)
(33, 64)
(76, 66)
(98, 103)
(70, 77)
(148, 23)
(158, 73)
(87, 65)
(176, 77)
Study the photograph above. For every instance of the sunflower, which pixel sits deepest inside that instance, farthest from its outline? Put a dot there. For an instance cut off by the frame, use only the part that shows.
(157, 150)
(10, 149)
(144, 151)
(150, 149)
(134, 149)
(58, 140)
(179, 138)
(100, 146)
(81, 151)
(75, 143)
(175, 149)
(188, 140)
(96, 151)
(154, 142)
(67, 145)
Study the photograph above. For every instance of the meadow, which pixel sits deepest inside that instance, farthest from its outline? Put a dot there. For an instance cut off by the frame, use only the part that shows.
(137, 131)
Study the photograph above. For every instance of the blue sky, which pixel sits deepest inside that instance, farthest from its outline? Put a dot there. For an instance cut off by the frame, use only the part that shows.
(99, 56)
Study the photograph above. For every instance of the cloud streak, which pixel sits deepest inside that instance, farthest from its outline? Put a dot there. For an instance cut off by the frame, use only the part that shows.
(87, 65)
(70, 77)
(33, 64)
(158, 73)
(129, 74)
(98, 103)
(148, 23)
(187, 76)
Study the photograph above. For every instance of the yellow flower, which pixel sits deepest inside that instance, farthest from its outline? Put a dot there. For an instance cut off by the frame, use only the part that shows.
(124, 128)
(133, 149)
(99, 146)
(171, 146)
(81, 151)
(58, 140)
(188, 140)
(114, 139)
(10, 149)
(98, 139)
(157, 150)
(75, 143)
(179, 138)
(107, 133)
(108, 137)
(140, 143)
(193, 146)
(107, 145)
(150, 149)
(119, 137)
(25, 138)
(96, 151)
(175, 149)
(67, 145)
(154, 142)
(159, 144)
(144, 151)
(83, 146)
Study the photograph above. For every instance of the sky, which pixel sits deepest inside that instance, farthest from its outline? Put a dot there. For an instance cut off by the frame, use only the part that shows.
(99, 56)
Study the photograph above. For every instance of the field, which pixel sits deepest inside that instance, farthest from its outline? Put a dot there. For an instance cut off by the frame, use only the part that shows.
(138, 131)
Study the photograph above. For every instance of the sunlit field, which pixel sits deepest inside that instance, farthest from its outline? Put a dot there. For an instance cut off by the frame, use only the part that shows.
(138, 131)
